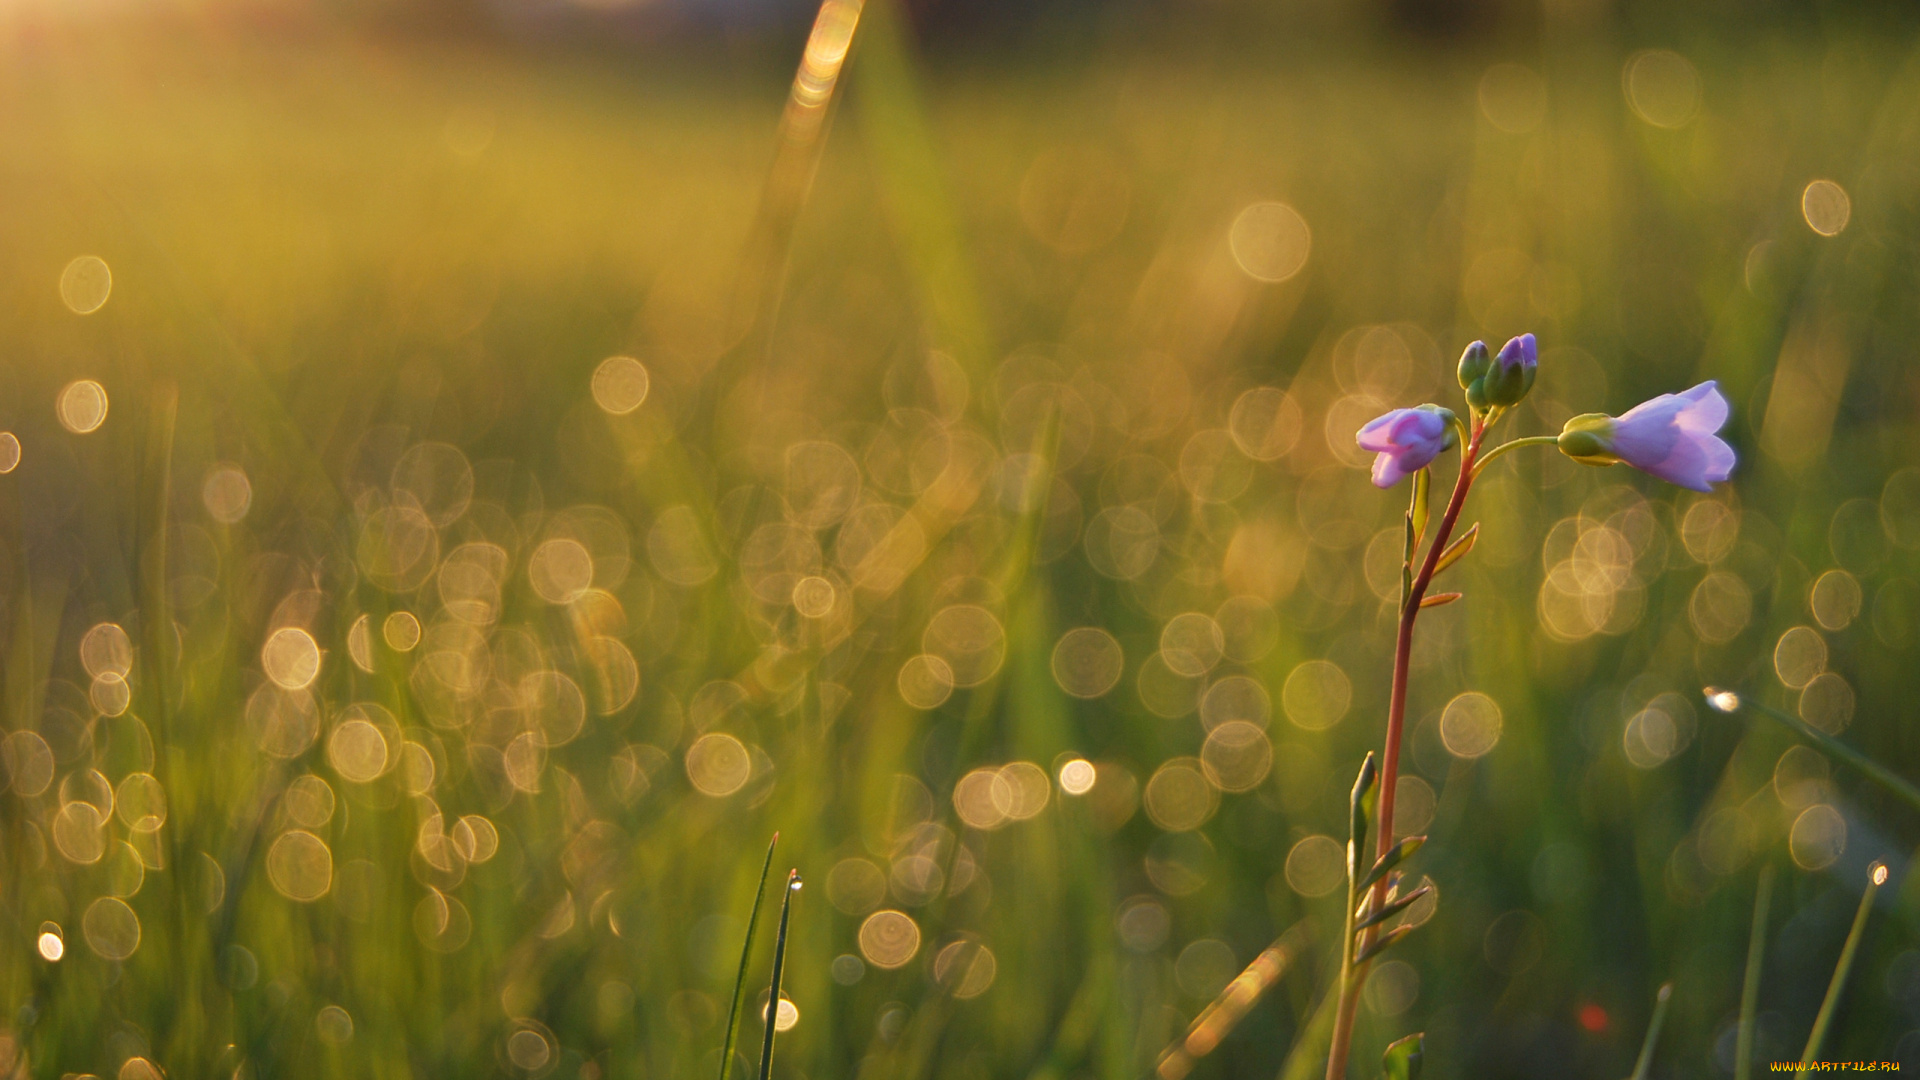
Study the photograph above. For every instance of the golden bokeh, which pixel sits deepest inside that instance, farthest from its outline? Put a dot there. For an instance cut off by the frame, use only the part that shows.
(85, 284)
(358, 750)
(1662, 87)
(1270, 241)
(141, 803)
(888, 939)
(1835, 600)
(81, 406)
(1178, 796)
(9, 452)
(1799, 655)
(620, 384)
(1818, 837)
(227, 494)
(1316, 695)
(971, 641)
(50, 944)
(111, 928)
(1827, 703)
(1265, 423)
(718, 764)
(1471, 724)
(29, 762)
(560, 570)
(1077, 776)
(965, 968)
(856, 886)
(1087, 662)
(308, 801)
(1236, 756)
(1826, 207)
(291, 658)
(1316, 866)
(401, 631)
(925, 681)
(982, 797)
(300, 866)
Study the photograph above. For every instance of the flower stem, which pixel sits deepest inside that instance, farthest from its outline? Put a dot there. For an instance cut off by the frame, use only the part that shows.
(1531, 440)
(1396, 722)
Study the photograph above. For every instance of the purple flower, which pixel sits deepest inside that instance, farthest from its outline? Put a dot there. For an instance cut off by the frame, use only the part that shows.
(1672, 437)
(1407, 440)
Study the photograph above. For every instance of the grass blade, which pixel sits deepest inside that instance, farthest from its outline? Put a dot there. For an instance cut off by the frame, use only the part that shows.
(1731, 701)
(746, 953)
(772, 1017)
(1226, 1010)
(1750, 987)
(1659, 1021)
(1876, 877)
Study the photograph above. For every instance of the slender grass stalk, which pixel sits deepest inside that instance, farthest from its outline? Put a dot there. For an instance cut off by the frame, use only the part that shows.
(1226, 1010)
(1750, 987)
(1659, 1021)
(772, 1016)
(746, 953)
(1732, 701)
(1876, 877)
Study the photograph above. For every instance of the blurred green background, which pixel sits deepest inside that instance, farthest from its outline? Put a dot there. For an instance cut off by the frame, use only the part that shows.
(476, 473)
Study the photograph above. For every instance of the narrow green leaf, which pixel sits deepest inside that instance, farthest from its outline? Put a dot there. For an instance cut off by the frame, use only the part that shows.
(1876, 877)
(1418, 516)
(772, 1017)
(746, 953)
(1392, 908)
(1729, 701)
(1458, 549)
(1382, 943)
(1645, 1062)
(1404, 1058)
(1394, 857)
(1750, 986)
(1361, 803)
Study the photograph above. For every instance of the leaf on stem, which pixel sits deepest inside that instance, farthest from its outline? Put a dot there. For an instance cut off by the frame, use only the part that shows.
(1394, 857)
(746, 953)
(1362, 814)
(1392, 908)
(1403, 1059)
(1418, 515)
(1381, 944)
(1439, 599)
(1458, 549)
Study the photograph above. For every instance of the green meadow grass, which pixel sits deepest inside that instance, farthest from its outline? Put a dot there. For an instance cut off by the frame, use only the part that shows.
(995, 403)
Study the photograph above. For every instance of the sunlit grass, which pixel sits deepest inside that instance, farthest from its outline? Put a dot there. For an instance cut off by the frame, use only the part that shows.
(433, 565)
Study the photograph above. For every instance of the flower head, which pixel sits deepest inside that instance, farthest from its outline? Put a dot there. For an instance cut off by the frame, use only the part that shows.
(1673, 437)
(1406, 440)
(1501, 380)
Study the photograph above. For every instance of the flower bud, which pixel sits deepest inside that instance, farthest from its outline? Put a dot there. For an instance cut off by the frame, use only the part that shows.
(1473, 364)
(1588, 439)
(1511, 375)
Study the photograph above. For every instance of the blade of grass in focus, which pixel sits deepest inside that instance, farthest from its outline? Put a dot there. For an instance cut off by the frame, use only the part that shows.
(771, 1018)
(1645, 1063)
(1730, 701)
(746, 953)
(1876, 877)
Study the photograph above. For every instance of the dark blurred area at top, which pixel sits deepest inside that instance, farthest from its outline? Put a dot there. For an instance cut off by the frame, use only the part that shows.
(994, 25)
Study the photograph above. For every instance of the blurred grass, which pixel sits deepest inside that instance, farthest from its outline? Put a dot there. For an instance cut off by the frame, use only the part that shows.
(331, 247)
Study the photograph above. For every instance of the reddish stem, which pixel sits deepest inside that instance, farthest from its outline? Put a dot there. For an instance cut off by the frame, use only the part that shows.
(1396, 723)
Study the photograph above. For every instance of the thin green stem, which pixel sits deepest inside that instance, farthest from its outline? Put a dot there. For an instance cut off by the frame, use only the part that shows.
(772, 1017)
(1659, 1021)
(1750, 988)
(1876, 876)
(746, 953)
(1530, 440)
(1730, 701)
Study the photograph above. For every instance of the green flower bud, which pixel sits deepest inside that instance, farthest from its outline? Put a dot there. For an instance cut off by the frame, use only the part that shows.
(1588, 439)
(1474, 364)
